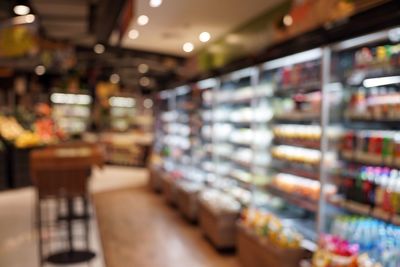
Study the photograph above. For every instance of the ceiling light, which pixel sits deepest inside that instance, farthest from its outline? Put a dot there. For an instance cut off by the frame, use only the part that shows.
(99, 49)
(114, 78)
(373, 82)
(40, 70)
(29, 18)
(148, 103)
(133, 34)
(21, 10)
(188, 47)
(143, 20)
(143, 68)
(155, 3)
(123, 102)
(144, 81)
(287, 20)
(204, 37)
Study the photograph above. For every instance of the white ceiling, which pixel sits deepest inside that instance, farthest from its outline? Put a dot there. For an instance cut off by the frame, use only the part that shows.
(178, 21)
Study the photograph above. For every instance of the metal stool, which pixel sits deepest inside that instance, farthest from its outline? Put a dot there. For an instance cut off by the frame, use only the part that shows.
(61, 175)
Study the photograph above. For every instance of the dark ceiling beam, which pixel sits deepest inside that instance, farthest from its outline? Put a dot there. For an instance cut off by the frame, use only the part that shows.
(135, 53)
(62, 17)
(107, 14)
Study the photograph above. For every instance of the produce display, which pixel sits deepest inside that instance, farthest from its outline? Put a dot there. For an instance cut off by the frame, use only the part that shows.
(10, 129)
(269, 227)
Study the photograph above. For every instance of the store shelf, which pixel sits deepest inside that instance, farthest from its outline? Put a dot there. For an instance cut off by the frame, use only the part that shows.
(303, 87)
(294, 199)
(308, 171)
(364, 210)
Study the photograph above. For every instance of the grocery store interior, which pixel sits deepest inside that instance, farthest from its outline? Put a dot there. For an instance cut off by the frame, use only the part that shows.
(229, 133)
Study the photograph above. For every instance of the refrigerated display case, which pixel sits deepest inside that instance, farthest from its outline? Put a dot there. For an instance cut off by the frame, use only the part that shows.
(71, 112)
(233, 135)
(122, 112)
(364, 75)
(292, 87)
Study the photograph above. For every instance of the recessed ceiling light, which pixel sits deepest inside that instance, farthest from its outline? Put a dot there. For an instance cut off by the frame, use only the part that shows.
(204, 37)
(114, 78)
(133, 34)
(188, 47)
(99, 49)
(287, 20)
(21, 10)
(144, 81)
(143, 68)
(29, 18)
(155, 3)
(143, 20)
(40, 70)
(148, 103)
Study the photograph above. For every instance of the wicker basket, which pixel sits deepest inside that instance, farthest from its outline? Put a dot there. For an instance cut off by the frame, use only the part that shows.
(188, 204)
(220, 229)
(254, 252)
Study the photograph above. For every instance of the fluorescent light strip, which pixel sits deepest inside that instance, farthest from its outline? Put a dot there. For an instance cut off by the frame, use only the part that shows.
(60, 98)
(208, 83)
(165, 94)
(123, 102)
(241, 73)
(373, 82)
(182, 90)
(309, 55)
(362, 40)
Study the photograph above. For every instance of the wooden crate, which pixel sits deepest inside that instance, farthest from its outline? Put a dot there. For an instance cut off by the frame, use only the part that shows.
(188, 204)
(169, 189)
(254, 252)
(155, 182)
(220, 229)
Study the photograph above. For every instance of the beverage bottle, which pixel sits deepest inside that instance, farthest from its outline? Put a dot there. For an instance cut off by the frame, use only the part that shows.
(396, 152)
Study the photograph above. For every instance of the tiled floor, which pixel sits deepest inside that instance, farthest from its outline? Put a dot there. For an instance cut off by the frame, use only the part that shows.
(18, 244)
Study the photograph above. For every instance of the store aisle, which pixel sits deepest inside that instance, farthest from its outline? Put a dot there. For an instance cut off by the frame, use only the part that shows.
(138, 229)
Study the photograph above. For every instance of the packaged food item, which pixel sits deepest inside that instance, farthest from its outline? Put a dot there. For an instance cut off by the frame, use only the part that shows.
(270, 228)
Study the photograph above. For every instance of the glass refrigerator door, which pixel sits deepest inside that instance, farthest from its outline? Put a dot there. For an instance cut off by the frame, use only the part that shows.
(203, 156)
(365, 209)
(232, 135)
(289, 153)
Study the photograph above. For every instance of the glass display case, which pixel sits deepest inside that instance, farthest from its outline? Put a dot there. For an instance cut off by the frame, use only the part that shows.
(288, 154)
(363, 73)
(122, 112)
(203, 151)
(71, 112)
(233, 135)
